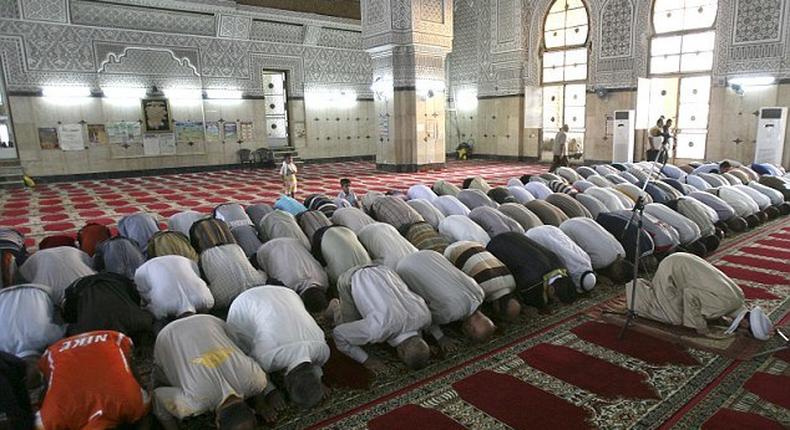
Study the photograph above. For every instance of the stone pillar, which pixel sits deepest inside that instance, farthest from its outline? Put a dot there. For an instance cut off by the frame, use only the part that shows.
(408, 41)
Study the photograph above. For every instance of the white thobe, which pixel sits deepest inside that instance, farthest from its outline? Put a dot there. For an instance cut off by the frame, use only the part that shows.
(605, 196)
(573, 257)
(521, 194)
(171, 286)
(286, 260)
(763, 201)
(602, 247)
(273, 326)
(538, 189)
(385, 311)
(775, 196)
(742, 203)
(182, 221)
(352, 218)
(459, 227)
(689, 231)
(421, 191)
(384, 244)
(57, 268)
(27, 320)
(450, 205)
(427, 210)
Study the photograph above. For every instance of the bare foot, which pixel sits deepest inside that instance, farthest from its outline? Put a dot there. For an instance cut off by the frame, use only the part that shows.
(275, 401)
(332, 312)
(447, 345)
(375, 365)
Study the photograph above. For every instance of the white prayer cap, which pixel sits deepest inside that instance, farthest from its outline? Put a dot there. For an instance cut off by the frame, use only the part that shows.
(759, 324)
(588, 281)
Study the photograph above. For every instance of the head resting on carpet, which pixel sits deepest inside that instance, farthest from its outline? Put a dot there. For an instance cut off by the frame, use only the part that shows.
(588, 281)
(234, 414)
(506, 307)
(303, 385)
(414, 352)
(737, 224)
(621, 270)
(759, 324)
(564, 289)
(314, 298)
(478, 327)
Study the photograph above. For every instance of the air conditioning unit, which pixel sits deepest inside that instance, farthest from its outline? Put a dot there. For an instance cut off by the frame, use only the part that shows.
(623, 136)
(771, 129)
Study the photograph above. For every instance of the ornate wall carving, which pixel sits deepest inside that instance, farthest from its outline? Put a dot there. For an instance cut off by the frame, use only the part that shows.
(276, 31)
(340, 38)
(234, 26)
(757, 21)
(141, 18)
(616, 31)
(45, 10)
(8, 9)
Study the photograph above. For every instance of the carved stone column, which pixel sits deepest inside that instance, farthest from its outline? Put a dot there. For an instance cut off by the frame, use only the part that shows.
(408, 41)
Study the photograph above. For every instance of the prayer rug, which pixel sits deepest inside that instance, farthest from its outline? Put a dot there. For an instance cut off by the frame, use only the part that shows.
(568, 369)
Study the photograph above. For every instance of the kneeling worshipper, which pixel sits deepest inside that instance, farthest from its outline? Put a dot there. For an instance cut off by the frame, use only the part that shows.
(208, 233)
(421, 191)
(779, 184)
(199, 368)
(139, 227)
(607, 197)
(27, 318)
(451, 296)
(325, 205)
(352, 218)
(275, 329)
(384, 244)
(593, 205)
(57, 268)
(501, 195)
(105, 301)
(233, 214)
(450, 205)
(311, 221)
(374, 306)
(704, 217)
(247, 238)
(424, 236)
(606, 253)
(171, 286)
(743, 205)
(476, 183)
(690, 292)
(763, 201)
(538, 189)
(475, 199)
(228, 273)
(459, 227)
(92, 234)
(491, 274)
(341, 250)
(118, 255)
(257, 211)
(290, 205)
(182, 221)
(573, 257)
(520, 214)
(520, 193)
(728, 219)
(665, 238)
(287, 261)
(547, 212)
(427, 211)
(539, 273)
(688, 232)
(282, 224)
(493, 221)
(171, 243)
(444, 188)
(91, 384)
(567, 174)
(394, 211)
(14, 398)
(776, 197)
(568, 205)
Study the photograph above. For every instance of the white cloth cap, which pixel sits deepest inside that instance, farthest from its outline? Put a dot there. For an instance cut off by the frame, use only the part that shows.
(759, 324)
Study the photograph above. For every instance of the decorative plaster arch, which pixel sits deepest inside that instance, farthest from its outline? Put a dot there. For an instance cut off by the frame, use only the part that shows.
(117, 59)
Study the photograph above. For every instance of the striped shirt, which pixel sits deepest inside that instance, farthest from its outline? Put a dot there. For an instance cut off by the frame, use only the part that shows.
(490, 273)
(423, 236)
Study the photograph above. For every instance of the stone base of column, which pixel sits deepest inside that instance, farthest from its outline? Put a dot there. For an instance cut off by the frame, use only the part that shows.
(410, 168)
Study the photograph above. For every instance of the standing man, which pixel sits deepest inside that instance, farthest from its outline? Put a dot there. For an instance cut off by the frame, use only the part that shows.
(560, 149)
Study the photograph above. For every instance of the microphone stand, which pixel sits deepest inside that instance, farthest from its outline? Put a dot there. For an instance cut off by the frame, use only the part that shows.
(637, 215)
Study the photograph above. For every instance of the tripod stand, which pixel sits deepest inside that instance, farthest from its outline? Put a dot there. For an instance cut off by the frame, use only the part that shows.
(638, 214)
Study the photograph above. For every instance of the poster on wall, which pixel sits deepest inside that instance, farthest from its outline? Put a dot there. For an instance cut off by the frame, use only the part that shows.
(229, 132)
(167, 144)
(246, 131)
(156, 115)
(150, 144)
(189, 131)
(48, 137)
(123, 132)
(71, 137)
(97, 135)
(212, 131)
(159, 144)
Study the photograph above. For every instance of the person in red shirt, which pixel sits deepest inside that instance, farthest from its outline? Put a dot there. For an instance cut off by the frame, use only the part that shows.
(90, 384)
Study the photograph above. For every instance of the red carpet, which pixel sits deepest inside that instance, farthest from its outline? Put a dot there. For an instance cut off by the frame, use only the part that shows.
(414, 417)
(765, 252)
(773, 388)
(518, 404)
(588, 372)
(753, 275)
(727, 419)
(781, 244)
(758, 263)
(646, 348)
(753, 293)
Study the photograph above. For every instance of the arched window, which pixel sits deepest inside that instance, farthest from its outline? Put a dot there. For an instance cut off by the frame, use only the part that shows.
(565, 35)
(681, 57)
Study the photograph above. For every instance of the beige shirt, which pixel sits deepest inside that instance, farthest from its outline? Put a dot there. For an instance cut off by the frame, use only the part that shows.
(687, 291)
(560, 148)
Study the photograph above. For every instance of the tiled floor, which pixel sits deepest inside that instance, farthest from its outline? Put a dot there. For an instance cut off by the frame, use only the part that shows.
(63, 208)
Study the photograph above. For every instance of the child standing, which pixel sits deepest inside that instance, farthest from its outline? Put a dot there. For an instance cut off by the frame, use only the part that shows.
(288, 173)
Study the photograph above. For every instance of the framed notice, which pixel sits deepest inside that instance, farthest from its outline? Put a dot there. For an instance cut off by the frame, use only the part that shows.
(230, 132)
(212, 131)
(156, 115)
(246, 131)
(71, 137)
(97, 135)
(48, 137)
(189, 131)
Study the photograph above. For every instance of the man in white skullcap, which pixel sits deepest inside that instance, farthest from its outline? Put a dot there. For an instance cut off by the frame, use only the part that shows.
(572, 256)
